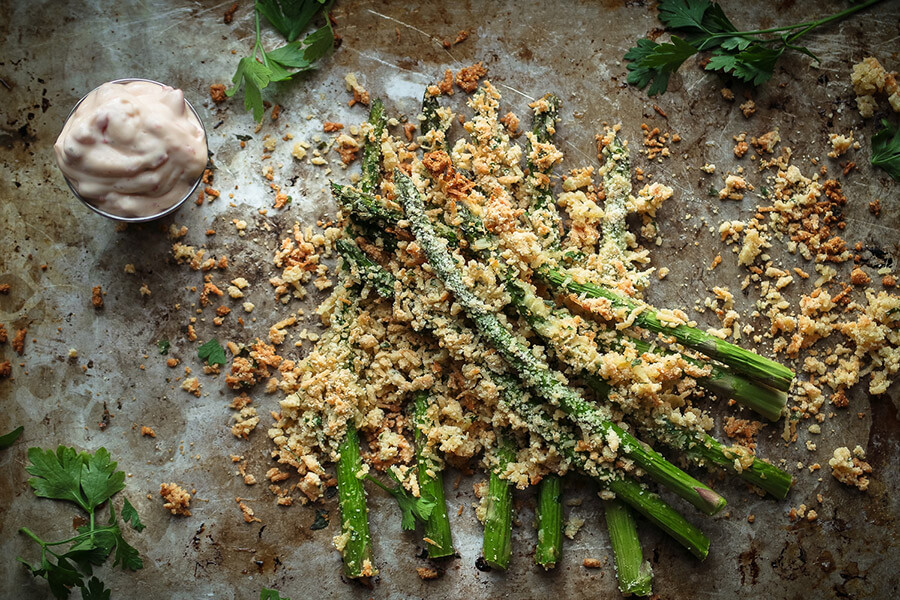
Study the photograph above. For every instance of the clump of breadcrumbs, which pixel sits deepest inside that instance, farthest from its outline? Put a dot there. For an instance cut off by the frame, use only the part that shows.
(850, 468)
(178, 501)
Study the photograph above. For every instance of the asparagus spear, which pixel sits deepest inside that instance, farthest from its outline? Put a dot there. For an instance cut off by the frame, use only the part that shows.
(535, 374)
(371, 155)
(648, 504)
(633, 572)
(542, 213)
(357, 549)
(645, 502)
(549, 518)
(742, 361)
(497, 542)
(431, 482)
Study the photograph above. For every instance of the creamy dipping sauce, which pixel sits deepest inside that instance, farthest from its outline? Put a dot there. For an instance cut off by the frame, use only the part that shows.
(132, 149)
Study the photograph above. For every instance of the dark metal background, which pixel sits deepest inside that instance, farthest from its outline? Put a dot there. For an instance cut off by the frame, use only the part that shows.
(53, 52)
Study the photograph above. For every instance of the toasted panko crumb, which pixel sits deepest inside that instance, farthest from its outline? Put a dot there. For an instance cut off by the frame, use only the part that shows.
(192, 385)
(145, 291)
(748, 108)
(849, 469)
(247, 512)
(147, 431)
(5, 369)
(592, 563)
(178, 501)
(18, 343)
(97, 297)
(467, 78)
(426, 573)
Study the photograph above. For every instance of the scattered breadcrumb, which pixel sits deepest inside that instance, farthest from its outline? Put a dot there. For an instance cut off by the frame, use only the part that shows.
(97, 297)
(850, 469)
(426, 573)
(147, 431)
(178, 501)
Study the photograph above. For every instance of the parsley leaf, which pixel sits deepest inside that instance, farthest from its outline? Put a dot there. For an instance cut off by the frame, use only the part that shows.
(267, 594)
(652, 62)
(8, 439)
(290, 17)
(163, 346)
(886, 149)
(255, 72)
(99, 478)
(88, 480)
(95, 590)
(411, 508)
(212, 352)
(129, 514)
(57, 474)
(749, 56)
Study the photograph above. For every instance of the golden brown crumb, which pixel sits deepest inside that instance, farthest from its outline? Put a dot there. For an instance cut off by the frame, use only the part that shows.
(850, 469)
(446, 84)
(462, 36)
(3, 334)
(592, 563)
(5, 369)
(751, 518)
(18, 342)
(172, 362)
(229, 14)
(217, 93)
(247, 512)
(511, 122)
(743, 430)
(748, 108)
(408, 131)
(330, 126)
(178, 501)
(97, 297)
(888, 281)
(875, 207)
(467, 78)
(727, 94)
(5, 288)
(426, 573)
(148, 431)
(859, 277)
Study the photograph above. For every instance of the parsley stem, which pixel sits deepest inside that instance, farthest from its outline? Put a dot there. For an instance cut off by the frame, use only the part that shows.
(806, 27)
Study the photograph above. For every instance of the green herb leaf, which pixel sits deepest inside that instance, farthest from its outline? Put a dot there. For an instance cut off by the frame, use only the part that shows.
(212, 352)
(130, 515)
(290, 17)
(267, 594)
(321, 521)
(163, 346)
(62, 576)
(684, 14)
(755, 65)
(10, 438)
(57, 474)
(253, 76)
(95, 590)
(411, 508)
(99, 478)
(652, 62)
(886, 149)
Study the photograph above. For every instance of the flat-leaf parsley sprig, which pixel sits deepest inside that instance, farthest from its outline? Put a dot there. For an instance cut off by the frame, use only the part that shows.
(701, 25)
(88, 481)
(291, 18)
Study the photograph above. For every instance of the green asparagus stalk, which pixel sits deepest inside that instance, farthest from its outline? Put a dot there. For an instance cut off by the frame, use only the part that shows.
(645, 502)
(725, 384)
(532, 371)
(703, 449)
(431, 118)
(542, 212)
(365, 268)
(357, 550)
(633, 572)
(648, 504)
(371, 155)
(497, 543)
(549, 522)
(438, 540)
(742, 361)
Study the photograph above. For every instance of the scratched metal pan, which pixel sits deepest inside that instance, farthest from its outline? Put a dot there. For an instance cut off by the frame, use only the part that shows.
(53, 52)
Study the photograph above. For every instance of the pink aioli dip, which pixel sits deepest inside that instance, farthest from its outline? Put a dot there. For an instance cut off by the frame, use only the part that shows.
(132, 149)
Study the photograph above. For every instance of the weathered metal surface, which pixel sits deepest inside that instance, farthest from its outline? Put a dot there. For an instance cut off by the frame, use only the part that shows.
(54, 250)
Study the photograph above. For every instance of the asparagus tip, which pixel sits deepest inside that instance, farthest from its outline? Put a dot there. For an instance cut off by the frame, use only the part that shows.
(714, 501)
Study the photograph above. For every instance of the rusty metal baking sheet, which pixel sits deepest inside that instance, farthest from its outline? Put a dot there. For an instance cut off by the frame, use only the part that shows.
(53, 251)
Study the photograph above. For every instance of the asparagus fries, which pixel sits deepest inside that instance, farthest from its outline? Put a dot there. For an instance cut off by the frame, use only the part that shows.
(444, 244)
